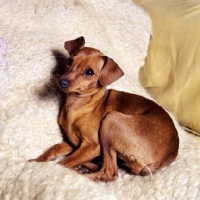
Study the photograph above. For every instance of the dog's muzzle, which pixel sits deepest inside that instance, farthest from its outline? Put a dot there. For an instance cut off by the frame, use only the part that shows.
(64, 83)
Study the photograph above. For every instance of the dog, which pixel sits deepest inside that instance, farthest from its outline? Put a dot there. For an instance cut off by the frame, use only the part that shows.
(116, 124)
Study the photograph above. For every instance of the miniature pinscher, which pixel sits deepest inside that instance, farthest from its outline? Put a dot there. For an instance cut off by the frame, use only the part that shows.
(116, 124)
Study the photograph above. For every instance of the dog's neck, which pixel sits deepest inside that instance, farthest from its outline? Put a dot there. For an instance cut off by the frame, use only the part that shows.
(75, 101)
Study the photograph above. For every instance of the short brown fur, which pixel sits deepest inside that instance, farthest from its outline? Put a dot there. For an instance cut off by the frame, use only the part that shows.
(118, 124)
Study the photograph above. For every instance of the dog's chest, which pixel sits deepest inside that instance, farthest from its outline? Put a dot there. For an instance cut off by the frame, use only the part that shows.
(78, 126)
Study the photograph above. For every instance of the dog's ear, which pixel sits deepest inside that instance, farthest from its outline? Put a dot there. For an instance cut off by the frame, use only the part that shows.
(74, 45)
(110, 72)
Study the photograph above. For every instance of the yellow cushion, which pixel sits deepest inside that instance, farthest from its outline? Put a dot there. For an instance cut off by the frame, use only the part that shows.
(172, 69)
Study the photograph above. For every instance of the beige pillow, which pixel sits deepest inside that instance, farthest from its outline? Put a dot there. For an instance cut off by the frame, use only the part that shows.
(172, 69)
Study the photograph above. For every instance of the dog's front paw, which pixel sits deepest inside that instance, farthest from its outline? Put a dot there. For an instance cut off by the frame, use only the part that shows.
(43, 158)
(82, 170)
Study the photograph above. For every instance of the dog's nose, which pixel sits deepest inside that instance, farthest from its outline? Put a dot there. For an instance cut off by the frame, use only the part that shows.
(64, 83)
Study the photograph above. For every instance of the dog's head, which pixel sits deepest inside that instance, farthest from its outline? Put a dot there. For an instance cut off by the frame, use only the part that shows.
(87, 69)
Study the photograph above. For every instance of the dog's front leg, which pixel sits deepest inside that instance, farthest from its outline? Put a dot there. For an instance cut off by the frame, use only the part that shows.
(54, 152)
(85, 153)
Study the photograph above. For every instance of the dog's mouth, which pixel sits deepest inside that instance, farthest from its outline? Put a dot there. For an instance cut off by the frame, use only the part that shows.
(71, 87)
(78, 91)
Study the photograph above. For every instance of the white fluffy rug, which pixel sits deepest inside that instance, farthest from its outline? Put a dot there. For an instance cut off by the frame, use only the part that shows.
(29, 32)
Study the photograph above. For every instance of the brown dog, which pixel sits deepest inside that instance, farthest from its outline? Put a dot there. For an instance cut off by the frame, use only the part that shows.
(121, 125)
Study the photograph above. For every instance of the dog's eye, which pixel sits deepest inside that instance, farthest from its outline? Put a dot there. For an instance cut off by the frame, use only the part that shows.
(89, 72)
(69, 61)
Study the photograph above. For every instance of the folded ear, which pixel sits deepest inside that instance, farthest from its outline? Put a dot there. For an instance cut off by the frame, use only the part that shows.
(74, 45)
(110, 72)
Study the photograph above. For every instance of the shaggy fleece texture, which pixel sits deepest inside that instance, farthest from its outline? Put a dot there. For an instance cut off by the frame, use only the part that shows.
(30, 31)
